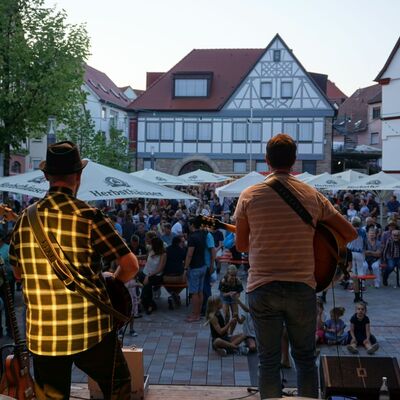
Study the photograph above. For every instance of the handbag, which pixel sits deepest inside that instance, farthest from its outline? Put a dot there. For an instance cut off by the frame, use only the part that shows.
(121, 309)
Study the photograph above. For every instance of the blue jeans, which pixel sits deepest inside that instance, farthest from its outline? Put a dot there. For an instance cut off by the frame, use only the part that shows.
(392, 263)
(292, 304)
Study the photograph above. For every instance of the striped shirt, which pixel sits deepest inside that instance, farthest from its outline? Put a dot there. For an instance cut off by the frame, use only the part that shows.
(280, 243)
(58, 321)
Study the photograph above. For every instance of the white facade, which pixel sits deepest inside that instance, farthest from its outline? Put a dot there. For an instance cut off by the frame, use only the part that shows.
(105, 115)
(390, 115)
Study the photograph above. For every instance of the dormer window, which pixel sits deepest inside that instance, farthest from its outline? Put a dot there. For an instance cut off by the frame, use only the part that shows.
(192, 85)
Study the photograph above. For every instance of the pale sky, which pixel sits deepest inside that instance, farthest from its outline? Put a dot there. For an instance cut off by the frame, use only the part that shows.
(349, 40)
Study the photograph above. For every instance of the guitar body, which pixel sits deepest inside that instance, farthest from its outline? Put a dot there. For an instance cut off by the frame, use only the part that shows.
(16, 381)
(120, 299)
(329, 250)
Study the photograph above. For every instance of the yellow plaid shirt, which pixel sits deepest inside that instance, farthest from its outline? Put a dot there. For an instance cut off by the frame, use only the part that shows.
(58, 321)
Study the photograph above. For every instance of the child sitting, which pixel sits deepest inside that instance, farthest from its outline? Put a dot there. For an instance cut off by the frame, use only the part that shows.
(360, 333)
(230, 288)
(222, 343)
(334, 327)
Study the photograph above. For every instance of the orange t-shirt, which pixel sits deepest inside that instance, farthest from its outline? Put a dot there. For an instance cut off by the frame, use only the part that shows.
(280, 243)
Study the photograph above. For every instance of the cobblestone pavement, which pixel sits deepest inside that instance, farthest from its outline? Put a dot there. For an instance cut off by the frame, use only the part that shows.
(177, 352)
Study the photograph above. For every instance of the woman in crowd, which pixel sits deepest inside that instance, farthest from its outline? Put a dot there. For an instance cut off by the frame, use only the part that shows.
(152, 273)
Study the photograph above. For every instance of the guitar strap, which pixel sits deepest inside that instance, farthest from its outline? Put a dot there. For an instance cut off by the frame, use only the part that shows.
(290, 200)
(64, 272)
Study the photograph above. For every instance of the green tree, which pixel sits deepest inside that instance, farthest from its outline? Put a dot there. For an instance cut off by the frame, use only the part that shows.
(41, 70)
(112, 152)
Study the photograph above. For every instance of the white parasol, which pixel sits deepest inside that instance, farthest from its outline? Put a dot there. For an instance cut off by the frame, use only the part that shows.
(234, 188)
(98, 183)
(161, 178)
(350, 175)
(200, 176)
(325, 181)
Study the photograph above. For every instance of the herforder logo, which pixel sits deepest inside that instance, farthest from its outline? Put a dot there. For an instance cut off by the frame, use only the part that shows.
(374, 182)
(115, 182)
(193, 177)
(38, 179)
(331, 182)
(160, 179)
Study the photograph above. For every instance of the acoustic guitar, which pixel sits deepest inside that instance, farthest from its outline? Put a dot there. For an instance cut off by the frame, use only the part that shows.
(16, 381)
(329, 251)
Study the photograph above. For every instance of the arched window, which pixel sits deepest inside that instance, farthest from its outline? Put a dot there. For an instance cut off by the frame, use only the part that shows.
(195, 165)
(16, 167)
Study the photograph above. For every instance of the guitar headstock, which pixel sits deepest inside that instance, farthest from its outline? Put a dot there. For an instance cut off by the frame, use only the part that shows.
(7, 214)
(209, 222)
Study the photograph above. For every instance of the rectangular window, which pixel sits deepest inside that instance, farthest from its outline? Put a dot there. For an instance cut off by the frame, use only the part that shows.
(190, 131)
(291, 129)
(305, 132)
(153, 131)
(239, 167)
(261, 166)
(266, 90)
(376, 112)
(286, 90)
(191, 87)
(255, 132)
(113, 118)
(103, 113)
(167, 131)
(374, 137)
(239, 131)
(35, 163)
(146, 164)
(205, 132)
(277, 55)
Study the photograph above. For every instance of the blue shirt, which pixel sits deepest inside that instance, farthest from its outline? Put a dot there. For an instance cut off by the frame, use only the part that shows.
(209, 246)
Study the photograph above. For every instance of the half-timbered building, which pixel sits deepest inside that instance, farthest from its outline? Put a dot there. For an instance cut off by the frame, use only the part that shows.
(217, 108)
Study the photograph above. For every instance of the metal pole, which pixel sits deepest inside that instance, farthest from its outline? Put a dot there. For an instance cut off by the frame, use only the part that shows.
(251, 138)
(152, 158)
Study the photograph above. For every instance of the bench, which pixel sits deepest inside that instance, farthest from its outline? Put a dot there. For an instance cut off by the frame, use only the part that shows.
(177, 288)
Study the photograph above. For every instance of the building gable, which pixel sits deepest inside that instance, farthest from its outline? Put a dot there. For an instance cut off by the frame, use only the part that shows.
(278, 81)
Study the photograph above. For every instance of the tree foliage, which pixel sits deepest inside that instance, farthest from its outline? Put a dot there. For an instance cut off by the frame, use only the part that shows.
(41, 70)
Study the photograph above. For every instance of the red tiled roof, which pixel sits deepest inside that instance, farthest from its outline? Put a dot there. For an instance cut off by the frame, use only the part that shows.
(104, 87)
(389, 60)
(229, 68)
(356, 107)
(333, 92)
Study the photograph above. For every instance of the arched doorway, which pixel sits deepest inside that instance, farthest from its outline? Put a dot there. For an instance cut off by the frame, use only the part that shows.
(193, 166)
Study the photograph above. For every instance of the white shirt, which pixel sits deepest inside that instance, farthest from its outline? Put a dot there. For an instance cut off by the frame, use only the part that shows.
(177, 229)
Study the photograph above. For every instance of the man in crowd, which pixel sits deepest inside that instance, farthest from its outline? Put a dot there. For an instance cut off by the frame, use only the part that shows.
(281, 283)
(195, 267)
(63, 327)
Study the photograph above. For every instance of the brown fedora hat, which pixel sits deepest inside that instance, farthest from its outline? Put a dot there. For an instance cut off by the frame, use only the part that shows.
(62, 158)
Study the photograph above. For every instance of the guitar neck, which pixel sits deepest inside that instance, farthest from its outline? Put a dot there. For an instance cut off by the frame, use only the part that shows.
(19, 344)
(215, 223)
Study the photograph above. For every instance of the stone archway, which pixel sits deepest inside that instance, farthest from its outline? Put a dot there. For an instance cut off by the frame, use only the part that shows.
(192, 163)
(193, 166)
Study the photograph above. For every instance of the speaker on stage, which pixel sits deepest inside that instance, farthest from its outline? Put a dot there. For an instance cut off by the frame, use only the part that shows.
(360, 377)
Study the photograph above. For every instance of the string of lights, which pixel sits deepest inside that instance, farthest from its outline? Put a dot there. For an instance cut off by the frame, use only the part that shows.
(391, 127)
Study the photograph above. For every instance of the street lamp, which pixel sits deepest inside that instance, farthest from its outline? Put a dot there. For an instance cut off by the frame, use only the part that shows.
(250, 121)
(152, 158)
(51, 131)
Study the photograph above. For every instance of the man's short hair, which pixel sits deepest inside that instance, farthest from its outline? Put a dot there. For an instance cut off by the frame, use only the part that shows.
(281, 151)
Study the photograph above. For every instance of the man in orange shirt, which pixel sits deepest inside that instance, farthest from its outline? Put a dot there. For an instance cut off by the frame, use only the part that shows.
(281, 283)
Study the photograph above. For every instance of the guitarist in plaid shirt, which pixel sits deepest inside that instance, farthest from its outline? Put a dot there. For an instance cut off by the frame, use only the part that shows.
(62, 327)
